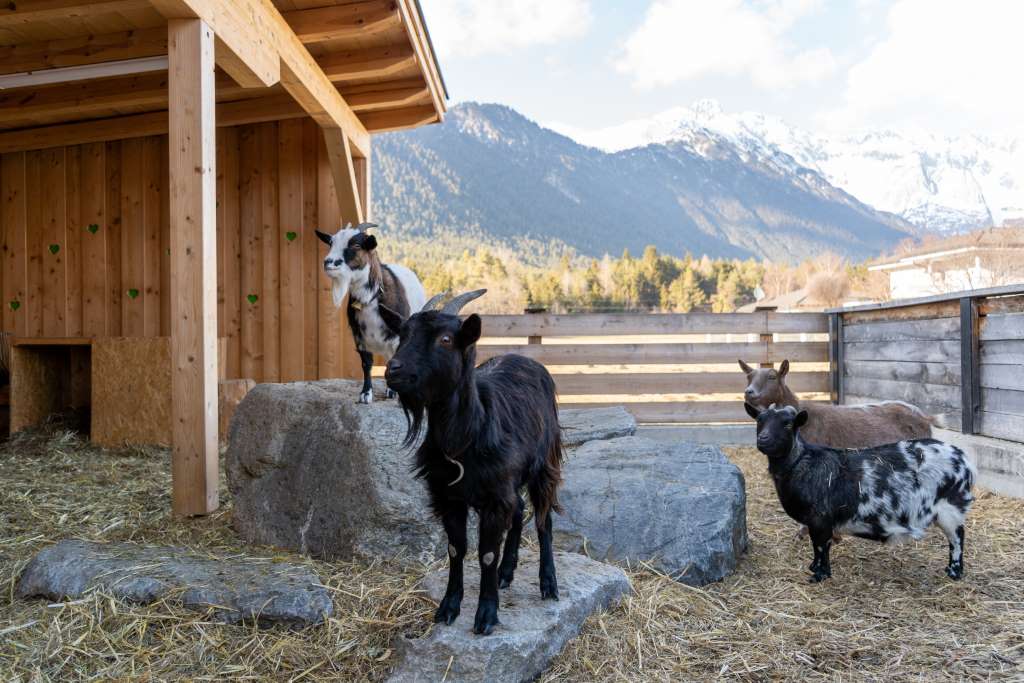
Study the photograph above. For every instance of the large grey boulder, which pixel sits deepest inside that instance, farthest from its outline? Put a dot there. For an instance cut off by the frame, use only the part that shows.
(311, 470)
(236, 589)
(680, 507)
(532, 631)
(580, 425)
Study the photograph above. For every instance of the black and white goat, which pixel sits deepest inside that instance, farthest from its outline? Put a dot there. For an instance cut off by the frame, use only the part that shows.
(354, 268)
(883, 493)
(491, 431)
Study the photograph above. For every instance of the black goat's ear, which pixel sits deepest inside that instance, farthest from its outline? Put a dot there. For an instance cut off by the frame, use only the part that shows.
(469, 333)
(745, 368)
(751, 410)
(784, 368)
(324, 237)
(370, 243)
(390, 318)
(800, 420)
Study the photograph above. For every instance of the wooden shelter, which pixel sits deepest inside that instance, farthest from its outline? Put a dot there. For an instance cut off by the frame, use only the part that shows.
(163, 164)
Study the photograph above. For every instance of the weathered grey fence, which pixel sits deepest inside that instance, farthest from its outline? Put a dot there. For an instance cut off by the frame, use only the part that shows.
(959, 356)
(596, 357)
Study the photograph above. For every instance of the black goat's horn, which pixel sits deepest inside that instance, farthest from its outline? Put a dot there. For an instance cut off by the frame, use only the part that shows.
(455, 305)
(363, 227)
(434, 302)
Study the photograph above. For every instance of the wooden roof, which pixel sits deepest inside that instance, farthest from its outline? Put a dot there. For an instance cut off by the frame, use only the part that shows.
(376, 53)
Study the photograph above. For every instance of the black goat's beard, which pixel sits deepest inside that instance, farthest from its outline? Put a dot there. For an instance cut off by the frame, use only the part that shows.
(415, 409)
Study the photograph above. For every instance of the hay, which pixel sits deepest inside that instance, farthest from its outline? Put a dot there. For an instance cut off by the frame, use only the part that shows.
(888, 613)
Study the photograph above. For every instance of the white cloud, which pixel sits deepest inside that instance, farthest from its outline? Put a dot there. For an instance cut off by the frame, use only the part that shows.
(469, 28)
(686, 39)
(942, 58)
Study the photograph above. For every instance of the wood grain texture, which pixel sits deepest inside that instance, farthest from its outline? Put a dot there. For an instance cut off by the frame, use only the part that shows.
(114, 231)
(905, 371)
(73, 241)
(947, 398)
(1002, 376)
(927, 352)
(1001, 426)
(1007, 401)
(677, 383)
(933, 329)
(93, 229)
(1002, 352)
(193, 198)
(998, 326)
(661, 354)
(312, 270)
(549, 325)
(290, 205)
(270, 242)
(133, 240)
(14, 220)
(251, 266)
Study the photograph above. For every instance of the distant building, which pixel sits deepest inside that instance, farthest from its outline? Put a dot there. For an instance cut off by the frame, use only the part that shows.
(799, 300)
(988, 258)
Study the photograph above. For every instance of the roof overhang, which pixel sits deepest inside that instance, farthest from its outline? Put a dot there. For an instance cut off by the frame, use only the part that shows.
(83, 71)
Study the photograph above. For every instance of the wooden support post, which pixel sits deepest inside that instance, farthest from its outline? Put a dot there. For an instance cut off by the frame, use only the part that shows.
(339, 155)
(835, 356)
(192, 156)
(970, 380)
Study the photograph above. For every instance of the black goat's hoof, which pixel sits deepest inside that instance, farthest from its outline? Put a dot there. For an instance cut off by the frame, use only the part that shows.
(820, 576)
(448, 611)
(388, 393)
(955, 572)
(486, 618)
(504, 581)
(549, 588)
(366, 397)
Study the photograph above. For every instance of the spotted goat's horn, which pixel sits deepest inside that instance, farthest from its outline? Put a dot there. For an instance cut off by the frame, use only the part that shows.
(363, 227)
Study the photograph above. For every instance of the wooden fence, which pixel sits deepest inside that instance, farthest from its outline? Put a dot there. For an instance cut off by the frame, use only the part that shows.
(959, 356)
(595, 358)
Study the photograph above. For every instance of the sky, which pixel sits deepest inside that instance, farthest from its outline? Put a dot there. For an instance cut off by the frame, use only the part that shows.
(828, 66)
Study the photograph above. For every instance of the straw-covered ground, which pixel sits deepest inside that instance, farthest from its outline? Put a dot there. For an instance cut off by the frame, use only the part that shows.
(888, 613)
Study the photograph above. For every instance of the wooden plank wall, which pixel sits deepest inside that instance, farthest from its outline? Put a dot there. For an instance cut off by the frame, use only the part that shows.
(905, 354)
(85, 247)
(1001, 365)
(594, 358)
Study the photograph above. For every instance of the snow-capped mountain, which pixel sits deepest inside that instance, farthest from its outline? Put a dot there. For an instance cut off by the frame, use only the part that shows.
(939, 184)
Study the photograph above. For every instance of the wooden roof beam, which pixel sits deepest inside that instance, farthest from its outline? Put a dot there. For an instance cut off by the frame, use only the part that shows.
(386, 99)
(344, 21)
(23, 12)
(375, 62)
(399, 119)
(241, 112)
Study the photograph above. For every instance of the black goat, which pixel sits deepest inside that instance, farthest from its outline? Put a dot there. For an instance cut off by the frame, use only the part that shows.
(491, 431)
(883, 493)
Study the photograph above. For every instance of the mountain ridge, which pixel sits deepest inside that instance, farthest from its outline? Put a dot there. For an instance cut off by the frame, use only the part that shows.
(491, 173)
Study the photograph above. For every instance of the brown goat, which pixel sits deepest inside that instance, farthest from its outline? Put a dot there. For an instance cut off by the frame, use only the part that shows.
(863, 426)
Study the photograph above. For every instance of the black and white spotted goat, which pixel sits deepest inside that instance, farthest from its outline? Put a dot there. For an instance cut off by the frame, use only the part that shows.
(354, 268)
(883, 493)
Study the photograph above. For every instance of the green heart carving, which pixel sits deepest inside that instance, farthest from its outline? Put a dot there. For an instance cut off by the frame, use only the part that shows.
(15, 305)
(290, 236)
(132, 293)
(93, 228)
(252, 298)
(54, 248)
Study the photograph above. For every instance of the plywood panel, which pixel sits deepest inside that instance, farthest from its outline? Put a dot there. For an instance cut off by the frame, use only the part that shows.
(13, 218)
(133, 239)
(271, 299)
(53, 226)
(289, 241)
(131, 391)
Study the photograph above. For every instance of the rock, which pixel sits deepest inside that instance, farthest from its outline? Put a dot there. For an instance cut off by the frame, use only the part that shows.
(311, 470)
(588, 424)
(681, 507)
(532, 631)
(239, 589)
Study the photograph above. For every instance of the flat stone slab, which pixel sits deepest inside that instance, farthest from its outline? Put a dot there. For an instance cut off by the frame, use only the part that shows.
(532, 631)
(580, 425)
(681, 507)
(239, 589)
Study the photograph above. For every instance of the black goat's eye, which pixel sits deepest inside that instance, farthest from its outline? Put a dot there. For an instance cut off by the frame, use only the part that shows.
(446, 340)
